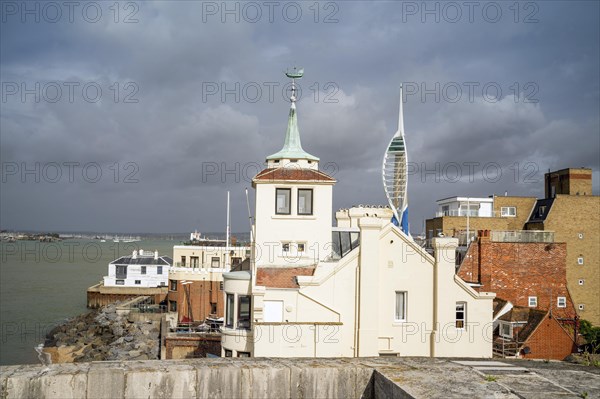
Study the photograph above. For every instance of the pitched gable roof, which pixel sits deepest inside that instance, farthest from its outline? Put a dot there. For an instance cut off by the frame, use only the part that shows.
(292, 174)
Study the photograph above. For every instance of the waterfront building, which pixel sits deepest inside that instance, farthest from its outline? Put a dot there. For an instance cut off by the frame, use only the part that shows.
(143, 273)
(141, 269)
(196, 278)
(364, 288)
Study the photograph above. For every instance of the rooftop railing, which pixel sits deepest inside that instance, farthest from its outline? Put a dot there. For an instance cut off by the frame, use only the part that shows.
(522, 236)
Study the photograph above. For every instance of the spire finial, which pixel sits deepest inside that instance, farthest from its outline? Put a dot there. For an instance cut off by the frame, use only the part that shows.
(401, 113)
(296, 73)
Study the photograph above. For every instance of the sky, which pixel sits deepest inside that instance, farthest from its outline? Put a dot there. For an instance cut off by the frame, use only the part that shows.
(140, 116)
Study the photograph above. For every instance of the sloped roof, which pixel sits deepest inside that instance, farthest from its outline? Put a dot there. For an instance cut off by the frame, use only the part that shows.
(292, 147)
(499, 303)
(292, 174)
(143, 260)
(533, 317)
(281, 277)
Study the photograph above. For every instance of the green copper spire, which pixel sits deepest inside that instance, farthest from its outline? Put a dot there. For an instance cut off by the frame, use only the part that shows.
(292, 147)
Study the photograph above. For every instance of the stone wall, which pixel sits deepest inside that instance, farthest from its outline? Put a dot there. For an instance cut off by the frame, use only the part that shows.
(198, 378)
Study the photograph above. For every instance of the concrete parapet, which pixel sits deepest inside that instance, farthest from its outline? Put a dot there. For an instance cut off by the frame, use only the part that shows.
(367, 378)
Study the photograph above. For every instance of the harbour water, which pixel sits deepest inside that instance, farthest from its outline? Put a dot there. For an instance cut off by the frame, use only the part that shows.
(44, 283)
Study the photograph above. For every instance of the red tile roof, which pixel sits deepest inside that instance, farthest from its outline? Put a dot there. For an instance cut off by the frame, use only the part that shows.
(281, 277)
(293, 174)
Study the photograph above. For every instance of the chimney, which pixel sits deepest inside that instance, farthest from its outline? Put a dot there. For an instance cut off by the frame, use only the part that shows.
(134, 255)
(155, 254)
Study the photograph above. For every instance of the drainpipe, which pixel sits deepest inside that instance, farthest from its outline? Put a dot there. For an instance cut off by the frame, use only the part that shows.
(356, 308)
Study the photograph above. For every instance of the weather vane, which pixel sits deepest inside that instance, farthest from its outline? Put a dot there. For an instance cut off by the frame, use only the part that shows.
(296, 73)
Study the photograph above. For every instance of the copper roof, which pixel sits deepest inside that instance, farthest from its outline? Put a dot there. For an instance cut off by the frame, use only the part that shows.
(281, 277)
(292, 174)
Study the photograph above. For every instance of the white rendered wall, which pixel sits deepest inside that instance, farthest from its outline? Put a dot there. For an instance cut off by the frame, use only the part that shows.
(312, 230)
(134, 272)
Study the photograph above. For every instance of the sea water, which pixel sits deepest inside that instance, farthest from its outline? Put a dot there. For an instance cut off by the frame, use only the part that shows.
(43, 284)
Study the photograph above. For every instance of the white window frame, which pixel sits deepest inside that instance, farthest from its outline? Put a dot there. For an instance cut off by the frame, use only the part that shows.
(404, 309)
(532, 302)
(505, 211)
(501, 329)
(561, 302)
(464, 318)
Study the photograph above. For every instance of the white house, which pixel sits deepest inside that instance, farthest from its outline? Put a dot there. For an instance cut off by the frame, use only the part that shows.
(141, 269)
(363, 288)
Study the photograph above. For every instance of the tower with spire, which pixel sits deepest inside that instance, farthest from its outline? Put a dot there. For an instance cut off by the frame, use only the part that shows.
(394, 174)
(292, 151)
(293, 201)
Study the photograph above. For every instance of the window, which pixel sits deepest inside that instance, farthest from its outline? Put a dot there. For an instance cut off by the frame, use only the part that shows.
(243, 354)
(532, 301)
(282, 201)
(400, 314)
(301, 247)
(228, 353)
(215, 261)
(285, 247)
(305, 201)
(173, 306)
(243, 311)
(158, 269)
(236, 261)
(120, 282)
(581, 281)
(163, 284)
(508, 211)
(138, 282)
(183, 261)
(194, 261)
(580, 260)
(229, 311)
(121, 271)
(143, 269)
(221, 285)
(173, 285)
(581, 306)
(506, 330)
(213, 308)
(561, 302)
(461, 314)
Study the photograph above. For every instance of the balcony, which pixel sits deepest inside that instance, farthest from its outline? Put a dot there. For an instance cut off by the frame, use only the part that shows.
(456, 212)
(522, 236)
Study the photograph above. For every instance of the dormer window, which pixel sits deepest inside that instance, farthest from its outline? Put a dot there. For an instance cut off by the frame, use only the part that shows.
(305, 201)
(282, 201)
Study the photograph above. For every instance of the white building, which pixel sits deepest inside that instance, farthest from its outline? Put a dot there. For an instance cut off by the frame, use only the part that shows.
(141, 269)
(466, 206)
(361, 289)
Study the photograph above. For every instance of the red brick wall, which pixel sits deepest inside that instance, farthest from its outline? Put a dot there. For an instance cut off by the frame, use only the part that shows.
(515, 271)
(549, 341)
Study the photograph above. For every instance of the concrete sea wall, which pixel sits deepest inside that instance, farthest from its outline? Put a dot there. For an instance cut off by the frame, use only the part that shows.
(194, 378)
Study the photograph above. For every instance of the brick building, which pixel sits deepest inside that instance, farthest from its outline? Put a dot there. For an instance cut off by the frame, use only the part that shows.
(524, 272)
(533, 334)
(574, 215)
(504, 213)
(569, 211)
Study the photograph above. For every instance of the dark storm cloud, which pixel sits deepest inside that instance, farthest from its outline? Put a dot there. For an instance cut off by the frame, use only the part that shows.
(168, 149)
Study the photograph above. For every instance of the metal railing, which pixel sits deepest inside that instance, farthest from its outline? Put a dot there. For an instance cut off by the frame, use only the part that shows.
(522, 236)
